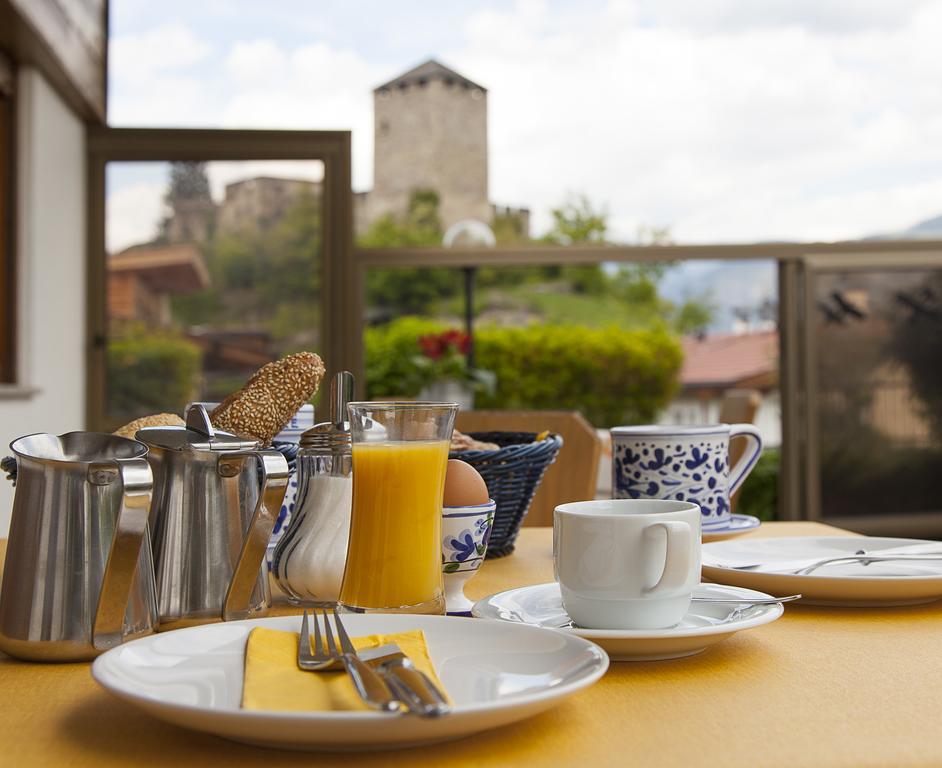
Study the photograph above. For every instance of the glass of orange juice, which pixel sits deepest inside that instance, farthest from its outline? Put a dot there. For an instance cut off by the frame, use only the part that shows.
(394, 558)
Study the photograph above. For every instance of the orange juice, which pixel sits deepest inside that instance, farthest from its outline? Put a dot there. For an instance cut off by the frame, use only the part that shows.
(394, 555)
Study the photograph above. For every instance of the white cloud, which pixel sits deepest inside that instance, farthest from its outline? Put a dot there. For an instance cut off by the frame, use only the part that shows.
(133, 213)
(789, 132)
(727, 120)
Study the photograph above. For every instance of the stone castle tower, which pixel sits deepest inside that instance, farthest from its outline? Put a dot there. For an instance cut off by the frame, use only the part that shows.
(430, 132)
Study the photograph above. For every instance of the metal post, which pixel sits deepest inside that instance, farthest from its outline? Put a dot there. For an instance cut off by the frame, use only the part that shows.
(469, 273)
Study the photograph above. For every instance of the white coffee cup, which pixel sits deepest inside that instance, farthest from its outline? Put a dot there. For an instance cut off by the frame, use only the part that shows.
(627, 563)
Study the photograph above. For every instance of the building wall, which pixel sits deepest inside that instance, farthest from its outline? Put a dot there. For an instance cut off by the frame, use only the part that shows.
(51, 213)
(260, 202)
(431, 136)
(692, 410)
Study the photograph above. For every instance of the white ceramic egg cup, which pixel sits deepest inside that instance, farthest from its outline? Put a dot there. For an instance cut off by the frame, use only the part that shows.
(465, 533)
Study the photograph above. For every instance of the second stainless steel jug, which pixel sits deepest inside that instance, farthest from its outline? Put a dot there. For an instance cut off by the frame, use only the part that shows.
(216, 498)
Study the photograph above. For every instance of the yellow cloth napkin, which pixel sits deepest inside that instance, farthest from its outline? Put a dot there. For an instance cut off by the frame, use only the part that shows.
(274, 682)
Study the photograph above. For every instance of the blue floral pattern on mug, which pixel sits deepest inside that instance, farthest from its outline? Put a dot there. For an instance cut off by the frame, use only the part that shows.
(674, 464)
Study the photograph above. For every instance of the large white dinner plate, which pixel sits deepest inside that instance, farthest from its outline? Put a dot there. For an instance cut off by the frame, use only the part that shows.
(854, 584)
(495, 674)
(704, 625)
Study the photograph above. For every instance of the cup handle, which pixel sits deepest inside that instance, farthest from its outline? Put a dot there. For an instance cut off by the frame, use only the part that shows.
(676, 559)
(747, 461)
(275, 473)
(137, 483)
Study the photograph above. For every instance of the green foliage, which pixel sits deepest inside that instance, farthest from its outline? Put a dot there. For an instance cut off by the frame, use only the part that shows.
(759, 494)
(611, 375)
(150, 372)
(577, 221)
(421, 225)
(394, 292)
(263, 277)
(390, 350)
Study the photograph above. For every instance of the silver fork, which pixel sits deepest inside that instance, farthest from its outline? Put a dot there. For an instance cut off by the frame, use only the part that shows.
(866, 560)
(368, 683)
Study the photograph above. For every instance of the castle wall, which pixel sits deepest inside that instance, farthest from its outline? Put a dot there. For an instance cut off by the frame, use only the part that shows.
(260, 202)
(430, 136)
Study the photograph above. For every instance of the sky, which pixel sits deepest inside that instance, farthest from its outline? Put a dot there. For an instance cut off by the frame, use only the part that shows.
(725, 120)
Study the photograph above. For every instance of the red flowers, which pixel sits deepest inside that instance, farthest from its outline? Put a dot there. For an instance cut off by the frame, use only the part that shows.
(437, 345)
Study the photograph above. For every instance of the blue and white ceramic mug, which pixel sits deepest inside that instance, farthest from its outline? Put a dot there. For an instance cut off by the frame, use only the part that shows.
(683, 463)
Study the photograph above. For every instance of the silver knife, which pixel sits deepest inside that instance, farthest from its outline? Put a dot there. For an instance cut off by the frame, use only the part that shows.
(412, 686)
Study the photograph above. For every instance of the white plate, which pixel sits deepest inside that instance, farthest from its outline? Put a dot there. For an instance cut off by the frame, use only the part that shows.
(495, 674)
(902, 583)
(704, 625)
(738, 525)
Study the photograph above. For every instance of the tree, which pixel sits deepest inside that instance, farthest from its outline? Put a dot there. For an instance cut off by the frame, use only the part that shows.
(269, 279)
(577, 221)
(188, 181)
(402, 291)
(189, 203)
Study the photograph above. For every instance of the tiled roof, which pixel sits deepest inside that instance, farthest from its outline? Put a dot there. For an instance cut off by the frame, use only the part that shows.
(429, 70)
(728, 359)
(174, 267)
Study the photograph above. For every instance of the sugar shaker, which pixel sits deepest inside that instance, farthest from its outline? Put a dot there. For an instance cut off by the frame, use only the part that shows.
(309, 559)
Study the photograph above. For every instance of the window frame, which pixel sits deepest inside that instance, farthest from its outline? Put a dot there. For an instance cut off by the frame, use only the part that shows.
(9, 370)
(332, 148)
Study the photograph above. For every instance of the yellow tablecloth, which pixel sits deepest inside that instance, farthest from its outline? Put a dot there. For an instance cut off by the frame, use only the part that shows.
(819, 687)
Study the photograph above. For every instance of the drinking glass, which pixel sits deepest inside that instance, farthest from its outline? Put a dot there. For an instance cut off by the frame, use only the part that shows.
(394, 556)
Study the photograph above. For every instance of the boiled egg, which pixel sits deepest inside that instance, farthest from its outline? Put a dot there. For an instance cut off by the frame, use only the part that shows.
(464, 486)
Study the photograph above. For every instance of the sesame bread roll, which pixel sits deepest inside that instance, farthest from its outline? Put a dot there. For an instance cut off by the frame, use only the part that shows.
(270, 397)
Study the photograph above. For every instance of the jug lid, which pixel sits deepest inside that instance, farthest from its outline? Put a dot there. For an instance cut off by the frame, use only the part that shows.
(198, 435)
(77, 447)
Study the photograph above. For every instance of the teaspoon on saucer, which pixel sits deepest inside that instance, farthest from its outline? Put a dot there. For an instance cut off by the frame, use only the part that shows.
(746, 601)
(743, 602)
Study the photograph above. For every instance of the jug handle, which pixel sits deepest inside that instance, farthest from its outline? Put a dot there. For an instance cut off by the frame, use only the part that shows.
(137, 483)
(255, 541)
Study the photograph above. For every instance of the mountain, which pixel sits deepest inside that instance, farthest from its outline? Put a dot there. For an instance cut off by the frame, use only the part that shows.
(930, 229)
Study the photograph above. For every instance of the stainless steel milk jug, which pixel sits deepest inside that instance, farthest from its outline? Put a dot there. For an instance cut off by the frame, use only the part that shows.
(216, 499)
(78, 577)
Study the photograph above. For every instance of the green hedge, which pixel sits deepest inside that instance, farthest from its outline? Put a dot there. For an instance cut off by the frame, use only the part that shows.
(612, 376)
(150, 372)
(759, 494)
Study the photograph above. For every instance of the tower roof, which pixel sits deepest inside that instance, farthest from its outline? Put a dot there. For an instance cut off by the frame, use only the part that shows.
(429, 70)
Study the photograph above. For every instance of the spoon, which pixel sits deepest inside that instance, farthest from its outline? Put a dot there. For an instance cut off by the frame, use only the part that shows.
(744, 602)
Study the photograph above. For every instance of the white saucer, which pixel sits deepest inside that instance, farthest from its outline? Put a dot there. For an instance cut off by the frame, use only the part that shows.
(704, 625)
(495, 674)
(854, 584)
(738, 525)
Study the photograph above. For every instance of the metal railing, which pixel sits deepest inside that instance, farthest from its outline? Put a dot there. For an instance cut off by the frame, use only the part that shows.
(798, 266)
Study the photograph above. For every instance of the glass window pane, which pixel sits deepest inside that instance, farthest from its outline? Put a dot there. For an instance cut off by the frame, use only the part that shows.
(213, 270)
(620, 343)
(879, 400)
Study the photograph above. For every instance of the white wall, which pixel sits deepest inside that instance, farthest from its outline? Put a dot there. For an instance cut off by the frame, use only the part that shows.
(691, 410)
(50, 392)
